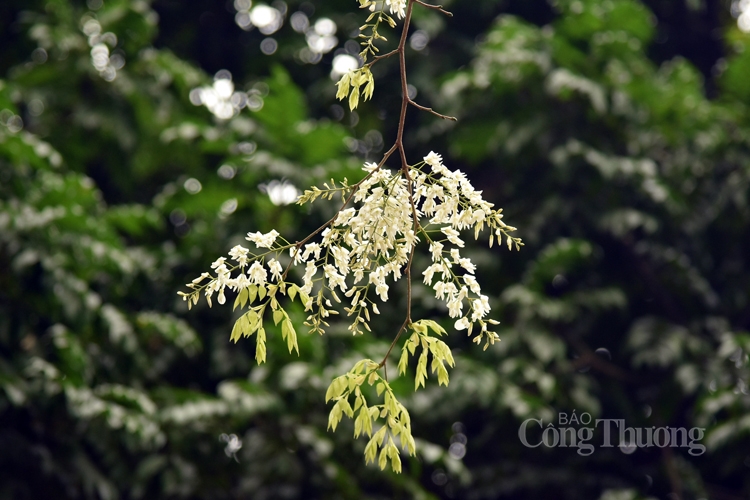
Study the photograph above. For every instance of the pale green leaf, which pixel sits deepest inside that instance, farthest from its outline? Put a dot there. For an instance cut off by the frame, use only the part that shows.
(371, 450)
(260, 346)
(288, 332)
(383, 459)
(403, 363)
(334, 417)
(236, 330)
(395, 458)
(366, 421)
(336, 388)
(380, 436)
(411, 344)
(354, 98)
(346, 407)
(421, 371)
(358, 423)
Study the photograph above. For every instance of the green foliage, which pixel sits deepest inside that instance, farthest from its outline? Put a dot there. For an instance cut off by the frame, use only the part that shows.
(629, 301)
(395, 417)
(441, 353)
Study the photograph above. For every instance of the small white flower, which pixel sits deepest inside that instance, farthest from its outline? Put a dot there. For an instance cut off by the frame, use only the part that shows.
(201, 278)
(452, 235)
(377, 278)
(439, 288)
(240, 282)
(310, 270)
(344, 217)
(334, 279)
(436, 249)
(433, 159)
(455, 306)
(275, 268)
(311, 249)
(257, 274)
(382, 291)
(481, 307)
(222, 276)
(468, 265)
(471, 281)
(461, 324)
(397, 7)
(239, 254)
(429, 272)
(455, 255)
(263, 240)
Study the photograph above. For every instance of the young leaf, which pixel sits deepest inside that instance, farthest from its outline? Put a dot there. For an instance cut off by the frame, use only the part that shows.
(383, 459)
(237, 300)
(371, 450)
(337, 388)
(288, 332)
(260, 346)
(366, 421)
(380, 388)
(358, 423)
(403, 363)
(236, 330)
(354, 98)
(334, 417)
(395, 459)
(346, 407)
(421, 370)
(435, 327)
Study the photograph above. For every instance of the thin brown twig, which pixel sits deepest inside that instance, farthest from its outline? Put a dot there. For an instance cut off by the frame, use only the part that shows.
(407, 321)
(439, 8)
(405, 169)
(383, 56)
(398, 145)
(430, 110)
(404, 85)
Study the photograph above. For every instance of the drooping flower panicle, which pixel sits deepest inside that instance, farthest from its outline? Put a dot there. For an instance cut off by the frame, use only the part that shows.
(366, 247)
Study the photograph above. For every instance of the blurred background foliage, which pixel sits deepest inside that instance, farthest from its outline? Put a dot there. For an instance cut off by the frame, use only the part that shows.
(140, 140)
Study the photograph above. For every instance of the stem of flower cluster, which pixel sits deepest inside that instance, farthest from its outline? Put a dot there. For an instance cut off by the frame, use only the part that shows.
(399, 144)
(404, 86)
(401, 50)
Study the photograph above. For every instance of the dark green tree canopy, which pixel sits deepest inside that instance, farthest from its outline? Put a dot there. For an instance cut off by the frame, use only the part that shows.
(615, 134)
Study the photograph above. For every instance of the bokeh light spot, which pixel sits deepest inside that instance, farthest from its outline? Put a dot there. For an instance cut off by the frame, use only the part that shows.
(193, 186)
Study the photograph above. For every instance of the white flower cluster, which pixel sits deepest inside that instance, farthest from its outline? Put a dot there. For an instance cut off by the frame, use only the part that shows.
(365, 246)
(452, 204)
(397, 7)
(255, 275)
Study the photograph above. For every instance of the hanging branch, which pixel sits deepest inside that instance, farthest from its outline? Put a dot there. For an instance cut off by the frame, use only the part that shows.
(371, 239)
